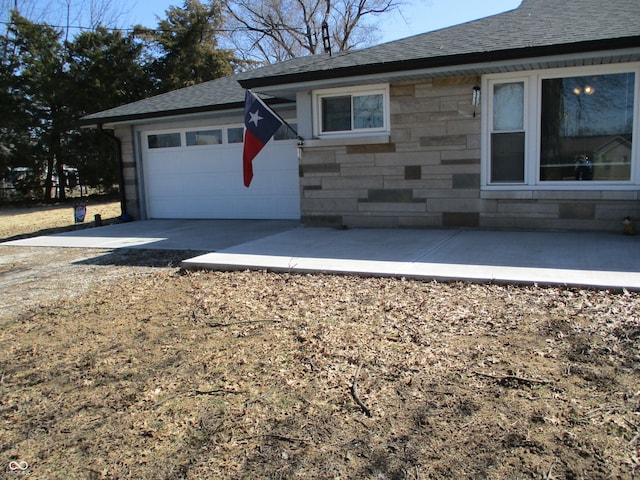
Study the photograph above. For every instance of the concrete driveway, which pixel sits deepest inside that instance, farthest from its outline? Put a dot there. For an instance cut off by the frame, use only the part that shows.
(200, 235)
(602, 260)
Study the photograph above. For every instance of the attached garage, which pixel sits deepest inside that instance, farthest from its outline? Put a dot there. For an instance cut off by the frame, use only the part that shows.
(180, 156)
(197, 173)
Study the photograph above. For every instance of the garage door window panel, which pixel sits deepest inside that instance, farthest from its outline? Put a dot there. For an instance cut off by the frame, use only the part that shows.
(204, 137)
(164, 140)
(235, 135)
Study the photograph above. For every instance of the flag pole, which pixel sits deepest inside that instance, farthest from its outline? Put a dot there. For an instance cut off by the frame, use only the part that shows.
(298, 137)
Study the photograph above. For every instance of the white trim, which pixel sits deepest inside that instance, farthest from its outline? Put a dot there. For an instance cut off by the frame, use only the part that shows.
(140, 172)
(518, 65)
(205, 181)
(487, 119)
(533, 108)
(379, 89)
(183, 135)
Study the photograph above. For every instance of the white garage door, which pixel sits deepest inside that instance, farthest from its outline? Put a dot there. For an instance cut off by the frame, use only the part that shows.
(198, 174)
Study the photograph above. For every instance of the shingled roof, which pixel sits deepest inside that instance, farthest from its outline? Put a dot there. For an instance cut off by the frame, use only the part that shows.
(197, 98)
(536, 28)
(220, 94)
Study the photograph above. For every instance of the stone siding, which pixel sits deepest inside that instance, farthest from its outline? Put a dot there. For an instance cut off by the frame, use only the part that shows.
(428, 175)
(129, 171)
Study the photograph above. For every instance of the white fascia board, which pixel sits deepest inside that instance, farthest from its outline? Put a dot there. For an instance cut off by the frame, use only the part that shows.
(523, 64)
(168, 118)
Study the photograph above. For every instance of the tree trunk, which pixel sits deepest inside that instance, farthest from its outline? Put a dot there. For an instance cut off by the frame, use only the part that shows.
(56, 150)
(48, 181)
(62, 179)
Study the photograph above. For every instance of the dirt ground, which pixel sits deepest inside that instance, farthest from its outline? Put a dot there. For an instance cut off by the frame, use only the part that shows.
(119, 365)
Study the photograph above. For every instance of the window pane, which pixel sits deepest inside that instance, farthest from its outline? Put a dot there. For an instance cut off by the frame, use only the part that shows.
(507, 158)
(368, 111)
(508, 106)
(336, 114)
(164, 140)
(586, 127)
(235, 135)
(286, 133)
(204, 137)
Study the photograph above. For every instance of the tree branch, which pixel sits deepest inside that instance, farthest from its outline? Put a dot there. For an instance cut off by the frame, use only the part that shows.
(354, 392)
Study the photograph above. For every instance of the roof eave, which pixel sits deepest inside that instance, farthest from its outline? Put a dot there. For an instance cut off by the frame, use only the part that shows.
(163, 114)
(134, 117)
(445, 61)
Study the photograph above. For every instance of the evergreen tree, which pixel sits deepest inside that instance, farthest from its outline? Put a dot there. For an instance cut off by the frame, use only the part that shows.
(105, 70)
(185, 46)
(38, 116)
(45, 86)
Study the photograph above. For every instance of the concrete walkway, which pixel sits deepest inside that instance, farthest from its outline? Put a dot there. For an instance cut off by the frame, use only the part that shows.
(576, 259)
(599, 260)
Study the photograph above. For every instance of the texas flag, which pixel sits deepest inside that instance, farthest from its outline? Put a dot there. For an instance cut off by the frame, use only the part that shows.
(261, 124)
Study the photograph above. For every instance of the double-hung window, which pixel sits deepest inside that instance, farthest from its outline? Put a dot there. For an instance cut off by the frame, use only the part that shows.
(508, 133)
(352, 111)
(571, 128)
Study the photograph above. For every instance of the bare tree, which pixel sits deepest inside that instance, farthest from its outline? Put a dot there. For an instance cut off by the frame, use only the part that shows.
(70, 16)
(270, 31)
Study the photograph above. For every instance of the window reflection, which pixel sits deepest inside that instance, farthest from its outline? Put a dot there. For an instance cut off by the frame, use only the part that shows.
(235, 135)
(336, 114)
(204, 137)
(586, 127)
(163, 140)
(368, 111)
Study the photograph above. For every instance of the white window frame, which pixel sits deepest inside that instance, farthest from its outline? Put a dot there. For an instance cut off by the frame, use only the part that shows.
(184, 130)
(223, 136)
(379, 89)
(223, 128)
(533, 110)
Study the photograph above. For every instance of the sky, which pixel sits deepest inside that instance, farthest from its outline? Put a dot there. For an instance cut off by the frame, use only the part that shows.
(416, 16)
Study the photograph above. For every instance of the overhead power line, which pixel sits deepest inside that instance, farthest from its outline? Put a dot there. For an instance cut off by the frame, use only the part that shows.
(132, 29)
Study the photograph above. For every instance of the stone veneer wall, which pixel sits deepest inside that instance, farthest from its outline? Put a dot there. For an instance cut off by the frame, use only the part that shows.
(129, 171)
(428, 175)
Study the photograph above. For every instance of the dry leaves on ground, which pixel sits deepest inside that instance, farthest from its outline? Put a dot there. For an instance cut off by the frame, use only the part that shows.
(172, 374)
(117, 364)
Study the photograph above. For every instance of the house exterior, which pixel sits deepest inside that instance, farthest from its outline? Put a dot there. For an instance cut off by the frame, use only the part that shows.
(527, 119)
(181, 156)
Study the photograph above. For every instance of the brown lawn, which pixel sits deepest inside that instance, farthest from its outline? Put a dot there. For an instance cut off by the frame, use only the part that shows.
(18, 221)
(151, 372)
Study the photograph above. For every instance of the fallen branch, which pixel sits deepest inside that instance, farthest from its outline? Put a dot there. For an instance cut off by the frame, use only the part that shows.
(607, 409)
(514, 378)
(354, 392)
(216, 391)
(549, 475)
(285, 439)
(246, 322)
(274, 437)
